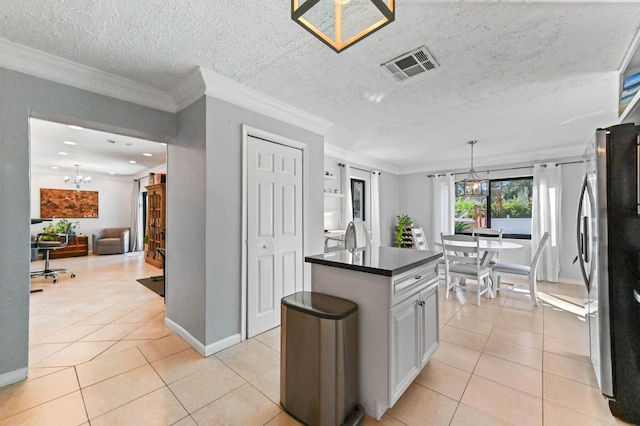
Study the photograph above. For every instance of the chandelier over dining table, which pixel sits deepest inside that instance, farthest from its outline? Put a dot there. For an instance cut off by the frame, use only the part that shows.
(472, 184)
(78, 178)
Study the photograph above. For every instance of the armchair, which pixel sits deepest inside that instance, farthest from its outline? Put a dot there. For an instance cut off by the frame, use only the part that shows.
(111, 241)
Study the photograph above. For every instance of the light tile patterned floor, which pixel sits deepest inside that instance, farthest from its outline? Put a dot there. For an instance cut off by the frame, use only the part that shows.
(100, 354)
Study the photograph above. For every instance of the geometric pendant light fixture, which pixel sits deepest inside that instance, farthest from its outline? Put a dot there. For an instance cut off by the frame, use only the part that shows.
(341, 23)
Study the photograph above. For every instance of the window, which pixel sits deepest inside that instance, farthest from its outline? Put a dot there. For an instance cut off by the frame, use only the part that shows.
(508, 205)
(358, 199)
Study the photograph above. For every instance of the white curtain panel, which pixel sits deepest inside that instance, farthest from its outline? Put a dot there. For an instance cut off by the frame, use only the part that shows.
(375, 208)
(347, 208)
(442, 208)
(547, 179)
(136, 218)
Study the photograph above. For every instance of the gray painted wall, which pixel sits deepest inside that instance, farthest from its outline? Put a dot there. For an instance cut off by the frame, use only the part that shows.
(186, 222)
(20, 96)
(224, 207)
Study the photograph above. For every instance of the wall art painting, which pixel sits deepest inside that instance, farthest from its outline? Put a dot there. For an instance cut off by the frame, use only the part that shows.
(68, 203)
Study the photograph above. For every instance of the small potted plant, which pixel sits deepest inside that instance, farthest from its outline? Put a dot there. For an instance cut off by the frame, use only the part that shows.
(404, 223)
(59, 227)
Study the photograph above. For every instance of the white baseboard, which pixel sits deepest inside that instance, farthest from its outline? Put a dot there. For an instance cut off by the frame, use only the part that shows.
(13, 376)
(203, 350)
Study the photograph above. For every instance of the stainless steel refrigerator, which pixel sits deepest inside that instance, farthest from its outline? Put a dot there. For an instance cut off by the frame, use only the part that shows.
(609, 251)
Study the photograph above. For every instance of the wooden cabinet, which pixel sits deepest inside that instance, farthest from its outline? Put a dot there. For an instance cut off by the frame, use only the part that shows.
(77, 246)
(156, 222)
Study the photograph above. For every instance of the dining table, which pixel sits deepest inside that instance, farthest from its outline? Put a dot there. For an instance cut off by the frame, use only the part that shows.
(489, 248)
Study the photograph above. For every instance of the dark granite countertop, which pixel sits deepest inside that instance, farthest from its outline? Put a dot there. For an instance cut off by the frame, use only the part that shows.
(388, 261)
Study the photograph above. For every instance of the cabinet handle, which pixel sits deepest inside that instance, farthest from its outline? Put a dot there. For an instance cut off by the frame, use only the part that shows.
(418, 277)
(420, 302)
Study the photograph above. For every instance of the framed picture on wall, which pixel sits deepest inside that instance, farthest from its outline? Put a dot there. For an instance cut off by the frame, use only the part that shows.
(68, 203)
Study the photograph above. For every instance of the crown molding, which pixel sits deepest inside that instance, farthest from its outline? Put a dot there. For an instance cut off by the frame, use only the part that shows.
(196, 84)
(193, 87)
(360, 159)
(44, 65)
(225, 89)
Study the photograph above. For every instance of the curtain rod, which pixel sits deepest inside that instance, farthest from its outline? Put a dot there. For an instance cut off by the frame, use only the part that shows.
(362, 170)
(507, 168)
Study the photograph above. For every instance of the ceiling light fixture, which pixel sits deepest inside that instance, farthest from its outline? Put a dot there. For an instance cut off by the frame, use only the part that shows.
(63, 153)
(146, 154)
(69, 143)
(341, 23)
(74, 127)
(132, 162)
(78, 179)
(472, 184)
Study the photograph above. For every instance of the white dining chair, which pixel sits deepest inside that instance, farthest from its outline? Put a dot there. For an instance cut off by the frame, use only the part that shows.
(419, 241)
(529, 271)
(462, 260)
(489, 234)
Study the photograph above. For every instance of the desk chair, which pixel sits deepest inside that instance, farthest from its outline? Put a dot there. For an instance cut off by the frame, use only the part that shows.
(528, 271)
(356, 236)
(58, 241)
(462, 260)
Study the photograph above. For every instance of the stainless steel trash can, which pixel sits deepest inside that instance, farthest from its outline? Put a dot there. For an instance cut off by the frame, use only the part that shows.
(319, 359)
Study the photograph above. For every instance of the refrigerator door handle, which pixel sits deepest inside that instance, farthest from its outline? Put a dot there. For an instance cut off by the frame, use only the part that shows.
(582, 242)
(638, 175)
(636, 295)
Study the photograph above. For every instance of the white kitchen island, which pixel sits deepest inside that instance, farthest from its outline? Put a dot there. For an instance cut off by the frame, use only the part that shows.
(397, 295)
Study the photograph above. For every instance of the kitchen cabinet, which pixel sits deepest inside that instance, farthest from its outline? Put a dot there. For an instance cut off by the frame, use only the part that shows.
(414, 337)
(397, 295)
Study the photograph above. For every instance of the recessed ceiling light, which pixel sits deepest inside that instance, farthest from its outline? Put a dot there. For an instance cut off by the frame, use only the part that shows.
(146, 154)
(69, 143)
(162, 143)
(63, 153)
(74, 127)
(55, 167)
(112, 173)
(132, 162)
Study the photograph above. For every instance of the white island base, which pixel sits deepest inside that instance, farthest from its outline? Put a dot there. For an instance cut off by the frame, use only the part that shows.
(397, 316)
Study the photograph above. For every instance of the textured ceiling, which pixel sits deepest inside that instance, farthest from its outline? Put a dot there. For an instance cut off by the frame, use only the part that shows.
(527, 80)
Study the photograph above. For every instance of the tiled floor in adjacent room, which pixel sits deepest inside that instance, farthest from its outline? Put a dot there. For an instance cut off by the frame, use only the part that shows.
(100, 354)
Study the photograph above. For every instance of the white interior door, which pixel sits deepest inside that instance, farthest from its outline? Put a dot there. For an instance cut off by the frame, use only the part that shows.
(274, 230)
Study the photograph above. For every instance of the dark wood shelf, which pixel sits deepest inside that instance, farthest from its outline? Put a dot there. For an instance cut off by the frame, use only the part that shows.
(78, 246)
(155, 231)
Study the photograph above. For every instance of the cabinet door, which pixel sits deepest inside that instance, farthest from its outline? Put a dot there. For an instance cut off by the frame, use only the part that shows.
(405, 346)
(429, 330)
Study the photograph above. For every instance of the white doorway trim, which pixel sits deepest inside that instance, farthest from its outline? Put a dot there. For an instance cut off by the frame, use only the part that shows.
(272, 137)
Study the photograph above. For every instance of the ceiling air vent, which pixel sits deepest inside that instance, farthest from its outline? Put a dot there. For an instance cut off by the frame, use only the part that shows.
(411, 64)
